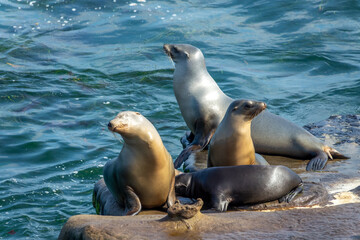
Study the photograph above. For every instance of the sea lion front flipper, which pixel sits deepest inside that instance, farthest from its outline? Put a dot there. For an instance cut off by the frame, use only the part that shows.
(189, 164)
(187, 139)
(203, 135)
(220, 202)
(290, 196)
(318, 162)
(133, 204)
(172, 196)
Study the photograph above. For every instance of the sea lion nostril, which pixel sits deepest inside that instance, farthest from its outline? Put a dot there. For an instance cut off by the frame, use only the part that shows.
(262, 105)
(109, 125)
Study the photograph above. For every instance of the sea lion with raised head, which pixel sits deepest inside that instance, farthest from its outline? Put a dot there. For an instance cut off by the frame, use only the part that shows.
(231, 144)
(220, 187)
(143, 174)
(203, 105)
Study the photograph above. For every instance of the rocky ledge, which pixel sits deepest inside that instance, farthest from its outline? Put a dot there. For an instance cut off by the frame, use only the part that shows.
(335, 216)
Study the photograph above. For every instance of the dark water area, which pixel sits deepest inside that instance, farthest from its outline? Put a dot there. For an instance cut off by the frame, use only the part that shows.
(68, 67)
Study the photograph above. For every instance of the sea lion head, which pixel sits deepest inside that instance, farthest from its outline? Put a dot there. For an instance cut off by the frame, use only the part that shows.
(132, 125)
(182, 184)
(185, 54)
(246, 109)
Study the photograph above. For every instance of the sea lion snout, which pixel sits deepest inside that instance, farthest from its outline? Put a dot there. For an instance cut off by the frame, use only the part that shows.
(263, 105)
(117, 126)
(259, 107)
(167, 50)
(166, 47)
(112, 126)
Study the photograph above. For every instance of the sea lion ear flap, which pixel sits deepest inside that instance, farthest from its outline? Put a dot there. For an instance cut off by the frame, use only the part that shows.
(187, 54)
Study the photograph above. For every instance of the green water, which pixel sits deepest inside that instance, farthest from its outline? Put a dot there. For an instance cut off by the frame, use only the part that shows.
(68, 67)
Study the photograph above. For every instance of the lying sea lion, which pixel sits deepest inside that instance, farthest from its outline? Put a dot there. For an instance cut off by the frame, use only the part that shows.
(239, 185)
(203, 106)
(143, 174)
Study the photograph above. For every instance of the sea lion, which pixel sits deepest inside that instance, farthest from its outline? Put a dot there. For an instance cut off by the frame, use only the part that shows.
(231, 144)
(203, 105)
(239, 185)
(143, 174)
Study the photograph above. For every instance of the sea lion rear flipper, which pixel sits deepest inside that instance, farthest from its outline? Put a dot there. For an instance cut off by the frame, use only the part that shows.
(202, 137)
(334, 153)
(187, 138)
(290, 196)
(318, 162)
(133, 204)
(171, 197)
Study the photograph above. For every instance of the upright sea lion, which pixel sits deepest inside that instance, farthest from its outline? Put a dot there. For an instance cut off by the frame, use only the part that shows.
(143, 174)
(203, 105)
(239, 185)
(231, 144)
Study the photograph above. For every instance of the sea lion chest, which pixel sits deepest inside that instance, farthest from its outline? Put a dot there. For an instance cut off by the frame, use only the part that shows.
(148, 174)
(232, 145)
(199, 98)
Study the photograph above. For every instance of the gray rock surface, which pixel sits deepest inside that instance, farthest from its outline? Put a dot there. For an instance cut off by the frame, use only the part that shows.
(340, 222)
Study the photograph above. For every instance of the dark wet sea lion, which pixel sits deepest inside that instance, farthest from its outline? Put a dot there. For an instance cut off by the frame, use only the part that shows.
(239, 185)
(231, 144)
(203, 105)
(143, 175)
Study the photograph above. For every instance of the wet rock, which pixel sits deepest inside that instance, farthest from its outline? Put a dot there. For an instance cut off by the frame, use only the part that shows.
(337, 222)
(341, 128)
(356, 191)
(331, 221)
(185, 211)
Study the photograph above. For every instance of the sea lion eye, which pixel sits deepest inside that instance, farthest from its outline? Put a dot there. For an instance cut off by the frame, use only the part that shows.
(235, 108)
(247, 106)
(137, 113)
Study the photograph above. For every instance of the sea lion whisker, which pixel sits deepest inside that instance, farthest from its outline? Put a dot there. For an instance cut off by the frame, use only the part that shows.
(170, 58)
(172, 61)
(118, 138)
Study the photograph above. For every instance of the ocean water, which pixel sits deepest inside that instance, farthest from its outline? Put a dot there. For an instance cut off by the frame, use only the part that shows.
(68, 67)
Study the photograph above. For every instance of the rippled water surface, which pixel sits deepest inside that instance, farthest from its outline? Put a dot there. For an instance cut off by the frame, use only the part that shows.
(68, 67)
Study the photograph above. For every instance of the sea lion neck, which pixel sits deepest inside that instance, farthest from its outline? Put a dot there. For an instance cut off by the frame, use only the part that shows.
(152, 151)
(145, 139)
(232, 121)
(190, 68)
